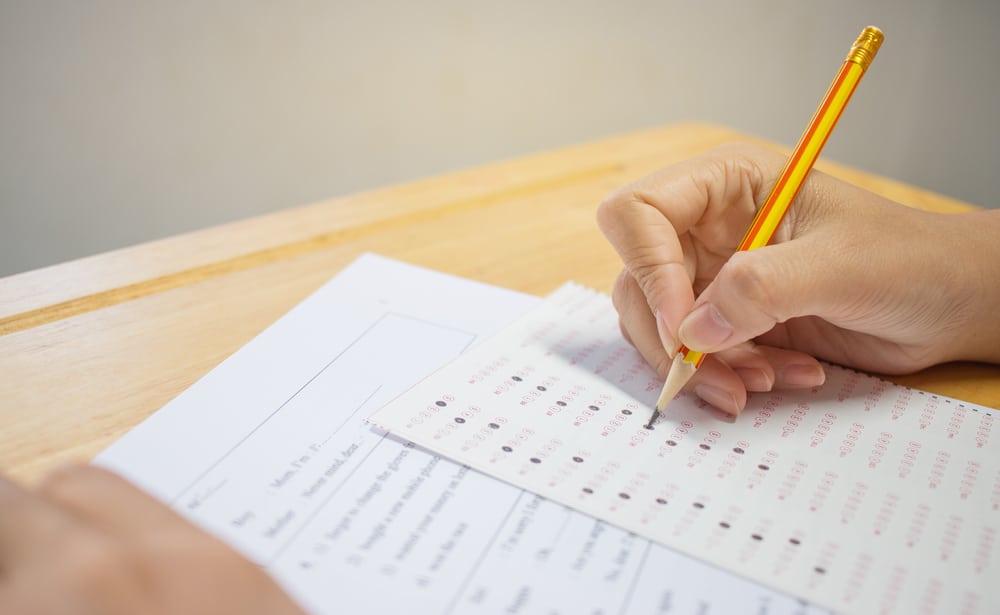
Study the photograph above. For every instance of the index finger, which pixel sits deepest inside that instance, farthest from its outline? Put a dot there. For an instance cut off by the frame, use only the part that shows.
(675, 228)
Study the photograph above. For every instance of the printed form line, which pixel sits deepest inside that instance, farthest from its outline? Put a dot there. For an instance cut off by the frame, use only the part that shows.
(308, 382)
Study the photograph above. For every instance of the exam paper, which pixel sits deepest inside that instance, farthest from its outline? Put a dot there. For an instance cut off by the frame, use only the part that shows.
(860, 495)
(271, 453)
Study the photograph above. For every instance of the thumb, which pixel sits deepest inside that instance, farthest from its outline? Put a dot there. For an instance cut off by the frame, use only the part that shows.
(756, 290)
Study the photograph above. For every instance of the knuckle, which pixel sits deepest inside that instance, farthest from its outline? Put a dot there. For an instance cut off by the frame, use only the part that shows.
(621, 289)
(612, 209)
(751, 280)
(748, 166)
(742, 150)
(637, 293)
(626, 293)
(649, 272)
(749, 155)
(626, 218)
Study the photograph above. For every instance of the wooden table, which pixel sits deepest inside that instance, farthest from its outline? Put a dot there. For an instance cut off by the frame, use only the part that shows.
(90, 347)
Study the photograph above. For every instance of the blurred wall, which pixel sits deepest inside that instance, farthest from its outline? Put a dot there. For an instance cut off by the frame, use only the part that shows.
(122, 122)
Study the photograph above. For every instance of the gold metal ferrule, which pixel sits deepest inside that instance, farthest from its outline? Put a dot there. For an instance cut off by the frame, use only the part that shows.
(864, 49)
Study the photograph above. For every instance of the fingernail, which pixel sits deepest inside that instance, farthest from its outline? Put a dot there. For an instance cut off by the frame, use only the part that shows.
(704, 328)
(717, 397)
(810, 375)
(755, 379)
(666, 338)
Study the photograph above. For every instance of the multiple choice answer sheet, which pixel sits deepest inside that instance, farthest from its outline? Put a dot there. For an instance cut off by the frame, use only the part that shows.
(860, 495)
(270, 451)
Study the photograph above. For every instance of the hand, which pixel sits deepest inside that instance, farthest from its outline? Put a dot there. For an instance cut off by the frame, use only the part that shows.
(850, 277)
(86, 541)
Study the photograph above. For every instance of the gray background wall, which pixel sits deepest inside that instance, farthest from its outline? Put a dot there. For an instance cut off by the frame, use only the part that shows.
(122, 122)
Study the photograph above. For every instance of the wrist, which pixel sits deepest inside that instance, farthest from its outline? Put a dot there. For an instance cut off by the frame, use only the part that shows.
(973, 243)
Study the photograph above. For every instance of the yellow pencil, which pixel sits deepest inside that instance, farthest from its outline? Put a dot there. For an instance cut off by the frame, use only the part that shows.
(770, 214)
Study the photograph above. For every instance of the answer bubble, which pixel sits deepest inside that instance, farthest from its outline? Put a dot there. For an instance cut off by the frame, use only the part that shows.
(506, 449)
(494, 426)
(738, 450)
(535, 460)
(459, 420)
(440, 403)
(541, 388)
(516, 378)
(578, 459)
(627, 412)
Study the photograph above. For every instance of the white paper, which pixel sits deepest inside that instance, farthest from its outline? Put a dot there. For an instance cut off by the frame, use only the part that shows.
(859, 495)
(270, 452)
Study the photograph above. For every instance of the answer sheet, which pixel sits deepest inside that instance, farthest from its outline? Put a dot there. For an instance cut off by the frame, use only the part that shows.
(860, 495)
(270, 452)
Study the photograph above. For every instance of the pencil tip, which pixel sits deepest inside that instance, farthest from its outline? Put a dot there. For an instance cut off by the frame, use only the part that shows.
(652, 419)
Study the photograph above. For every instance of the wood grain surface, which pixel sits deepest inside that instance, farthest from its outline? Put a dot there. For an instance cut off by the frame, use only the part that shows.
(91, 347)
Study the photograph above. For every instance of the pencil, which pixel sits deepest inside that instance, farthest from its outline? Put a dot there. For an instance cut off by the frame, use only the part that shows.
(770, 214)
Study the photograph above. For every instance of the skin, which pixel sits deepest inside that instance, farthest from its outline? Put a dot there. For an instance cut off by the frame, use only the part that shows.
(85, 541)
(850, 277)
